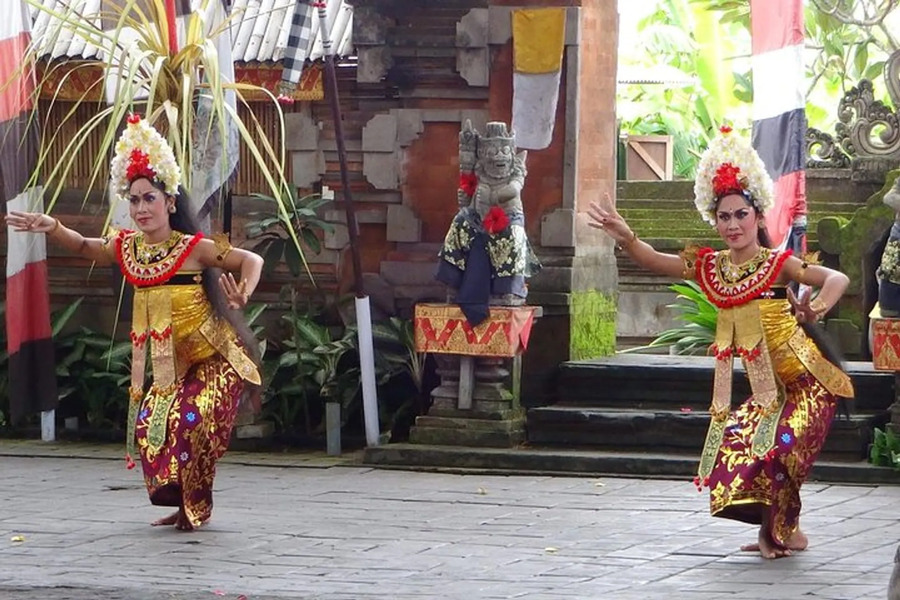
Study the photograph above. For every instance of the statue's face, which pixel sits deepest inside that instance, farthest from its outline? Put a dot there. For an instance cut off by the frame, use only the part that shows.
(497, 160)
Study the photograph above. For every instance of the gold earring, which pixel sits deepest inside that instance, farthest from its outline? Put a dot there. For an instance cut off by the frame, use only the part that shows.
(172, 208)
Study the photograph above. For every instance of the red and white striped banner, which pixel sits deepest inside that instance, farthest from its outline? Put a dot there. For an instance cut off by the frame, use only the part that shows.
(32, 370)
(779, 113)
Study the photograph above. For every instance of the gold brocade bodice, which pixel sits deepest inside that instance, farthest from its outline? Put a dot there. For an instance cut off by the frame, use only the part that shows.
(779, 325)
(178, 321)
(190, 309)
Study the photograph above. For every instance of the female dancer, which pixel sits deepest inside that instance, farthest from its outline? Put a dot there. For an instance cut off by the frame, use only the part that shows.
(203, 354)
(756, 457)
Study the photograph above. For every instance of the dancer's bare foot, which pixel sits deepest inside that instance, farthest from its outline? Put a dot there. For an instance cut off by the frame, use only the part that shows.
(170, 520)
(178, 518)
(766, 547)
(183, 523)
(798, 541)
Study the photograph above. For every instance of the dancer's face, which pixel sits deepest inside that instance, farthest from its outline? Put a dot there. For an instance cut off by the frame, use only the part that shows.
(737, 222)
(149, 207)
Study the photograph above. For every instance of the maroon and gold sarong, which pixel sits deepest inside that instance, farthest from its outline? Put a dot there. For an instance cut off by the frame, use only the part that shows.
(743, 485)
(198, 428)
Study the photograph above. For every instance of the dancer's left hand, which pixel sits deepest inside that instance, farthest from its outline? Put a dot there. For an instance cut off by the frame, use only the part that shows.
(236, 294)
(803, 310)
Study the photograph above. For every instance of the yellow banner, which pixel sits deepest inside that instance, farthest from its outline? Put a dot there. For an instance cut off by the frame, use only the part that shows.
(538, 39)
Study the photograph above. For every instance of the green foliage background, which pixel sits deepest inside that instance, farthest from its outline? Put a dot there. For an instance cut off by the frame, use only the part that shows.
(707, 43)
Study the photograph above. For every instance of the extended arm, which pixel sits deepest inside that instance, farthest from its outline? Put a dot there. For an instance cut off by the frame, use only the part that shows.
(94, 249)
(607, 219)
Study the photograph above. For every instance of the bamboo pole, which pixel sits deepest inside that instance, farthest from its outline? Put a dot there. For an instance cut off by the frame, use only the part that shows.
(363, 311)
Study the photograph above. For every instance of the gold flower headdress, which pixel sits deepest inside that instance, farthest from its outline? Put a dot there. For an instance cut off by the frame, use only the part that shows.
(731, 166)
(142, 152)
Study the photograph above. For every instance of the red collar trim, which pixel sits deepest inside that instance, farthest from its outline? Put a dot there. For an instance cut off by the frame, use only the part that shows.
(728, 295)
(146, 276)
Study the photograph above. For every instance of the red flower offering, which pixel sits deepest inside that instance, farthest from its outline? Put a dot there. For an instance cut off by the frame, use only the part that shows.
(727, 180)
(139, 166)
(467, 183)
(495, 221)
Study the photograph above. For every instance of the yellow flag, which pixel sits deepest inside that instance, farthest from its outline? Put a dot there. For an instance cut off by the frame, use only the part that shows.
(538, 39)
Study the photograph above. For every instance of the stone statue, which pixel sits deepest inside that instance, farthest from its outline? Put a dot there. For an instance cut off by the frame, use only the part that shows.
(486, 256)
(889, 271)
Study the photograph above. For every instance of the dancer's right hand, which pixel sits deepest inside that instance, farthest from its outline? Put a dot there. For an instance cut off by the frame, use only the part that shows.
(605, 217)
(30, 222)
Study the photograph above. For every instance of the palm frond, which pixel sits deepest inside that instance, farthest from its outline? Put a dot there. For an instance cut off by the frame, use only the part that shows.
(143, 75)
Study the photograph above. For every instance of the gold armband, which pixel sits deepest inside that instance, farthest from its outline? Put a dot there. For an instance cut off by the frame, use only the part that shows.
(689, 258)
(223, 246)
(805, 262)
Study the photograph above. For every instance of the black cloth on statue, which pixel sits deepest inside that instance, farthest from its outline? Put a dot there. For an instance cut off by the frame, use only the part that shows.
(474, 291)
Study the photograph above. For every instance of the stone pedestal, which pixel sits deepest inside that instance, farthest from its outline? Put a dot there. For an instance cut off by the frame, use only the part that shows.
(477, 402)
(886, 355)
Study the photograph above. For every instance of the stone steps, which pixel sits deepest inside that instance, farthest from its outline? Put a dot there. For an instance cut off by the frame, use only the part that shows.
(533, 459)
(663, 213)
(669, 382)
(643, 403)
(671, 430)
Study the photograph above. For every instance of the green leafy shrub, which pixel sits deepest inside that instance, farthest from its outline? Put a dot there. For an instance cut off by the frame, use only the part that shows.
(885, 450)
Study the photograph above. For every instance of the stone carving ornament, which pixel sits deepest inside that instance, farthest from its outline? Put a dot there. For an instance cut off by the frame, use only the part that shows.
(867, 129)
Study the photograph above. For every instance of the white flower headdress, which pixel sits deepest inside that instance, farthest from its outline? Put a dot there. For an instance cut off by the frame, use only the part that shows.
(142, 152)
(731, 166)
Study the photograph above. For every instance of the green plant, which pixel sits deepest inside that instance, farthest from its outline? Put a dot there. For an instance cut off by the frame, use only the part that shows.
(182, 88)
(679, 40)
(885, 450)
(271, 230)
(400, 369)
(315, 364)
(699, 315)
(92, 371)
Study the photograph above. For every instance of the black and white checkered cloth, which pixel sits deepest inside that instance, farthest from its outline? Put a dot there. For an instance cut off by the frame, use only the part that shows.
(297, 45)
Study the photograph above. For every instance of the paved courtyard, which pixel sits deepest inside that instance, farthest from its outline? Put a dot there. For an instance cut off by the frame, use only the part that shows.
(77, 528)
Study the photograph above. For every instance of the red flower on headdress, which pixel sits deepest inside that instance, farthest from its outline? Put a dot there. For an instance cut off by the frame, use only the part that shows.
(727, 180)
(495, 221)
(468, 182)
(133, 118)
(139, 166)
(725, 129)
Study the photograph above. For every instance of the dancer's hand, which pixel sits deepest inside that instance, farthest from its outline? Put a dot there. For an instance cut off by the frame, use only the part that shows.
(604, 216)
(31, 222)
(805, 310)
(235, 293)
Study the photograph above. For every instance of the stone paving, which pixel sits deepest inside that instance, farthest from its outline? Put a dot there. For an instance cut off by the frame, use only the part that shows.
(77, 528)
